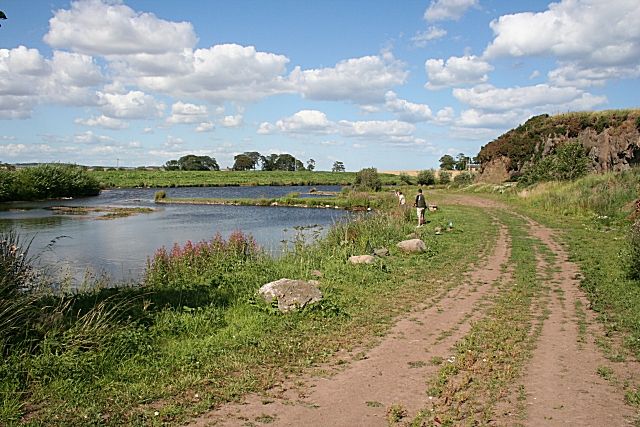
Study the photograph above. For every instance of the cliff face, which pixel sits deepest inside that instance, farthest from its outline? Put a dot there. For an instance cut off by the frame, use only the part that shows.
(611, 140)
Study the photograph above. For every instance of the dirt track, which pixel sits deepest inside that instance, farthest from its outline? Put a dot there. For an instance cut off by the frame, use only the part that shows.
(560, 381)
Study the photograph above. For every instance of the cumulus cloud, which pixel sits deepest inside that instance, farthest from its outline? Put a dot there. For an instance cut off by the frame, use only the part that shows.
(442, 10)
(478, 119)
(173, 142)
(407, 111)
(89, 137)
(593, 40)
(232, 121)
(131, 105)
(468, 69)
(103, 122)
(376, 129)
(304, 121)
(105, 28)
(542, 96)
(205, 127)
(422, 38)
(184, 113)
(360, 80)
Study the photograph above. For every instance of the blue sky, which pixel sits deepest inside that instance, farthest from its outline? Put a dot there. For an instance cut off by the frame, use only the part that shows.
(394, 85)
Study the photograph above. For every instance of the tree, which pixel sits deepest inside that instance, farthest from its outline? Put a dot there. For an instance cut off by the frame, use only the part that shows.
(444, 177)
(426, 177)
(462, 161)
(254, 156)
(285, 162)
(338, 167)
(368, 179)
(2, 16)
(311, 164)
(269, 162)
(242, 162)
(172, 165)
(447, 162)
(192, 162)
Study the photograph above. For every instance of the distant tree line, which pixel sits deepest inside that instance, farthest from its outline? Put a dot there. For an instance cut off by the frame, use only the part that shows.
(459, 163)
(249, 160)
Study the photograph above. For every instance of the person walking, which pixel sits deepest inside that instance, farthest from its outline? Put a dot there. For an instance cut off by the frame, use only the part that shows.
(420, 205)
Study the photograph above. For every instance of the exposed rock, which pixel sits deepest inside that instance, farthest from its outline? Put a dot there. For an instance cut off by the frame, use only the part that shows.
(496, 171)
(381, 252)
(291, 294)
(362, 259)
(413, 245)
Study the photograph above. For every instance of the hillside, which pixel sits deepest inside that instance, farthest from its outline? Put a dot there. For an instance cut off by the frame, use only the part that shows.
(611, 140)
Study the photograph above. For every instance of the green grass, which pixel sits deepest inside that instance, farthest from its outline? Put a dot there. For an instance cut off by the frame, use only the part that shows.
(119, 356)
(139, 178)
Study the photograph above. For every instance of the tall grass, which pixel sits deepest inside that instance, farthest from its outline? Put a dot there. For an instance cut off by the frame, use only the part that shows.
(607, 195)
(46, 181)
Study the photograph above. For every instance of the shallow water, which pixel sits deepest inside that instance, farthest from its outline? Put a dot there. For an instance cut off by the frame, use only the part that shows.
(118, 249)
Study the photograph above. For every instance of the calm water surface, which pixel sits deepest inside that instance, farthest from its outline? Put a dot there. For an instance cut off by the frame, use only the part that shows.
(119, 248)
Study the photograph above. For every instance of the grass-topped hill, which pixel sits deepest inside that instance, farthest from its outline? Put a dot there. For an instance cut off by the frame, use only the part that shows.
(609, 138)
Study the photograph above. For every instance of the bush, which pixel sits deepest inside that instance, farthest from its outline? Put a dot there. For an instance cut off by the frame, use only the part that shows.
(406, 179)
(160, 195)
(444, 177)
(47, 181)
(426, 177)
(368, 179)
(465, 178)
(567, 163)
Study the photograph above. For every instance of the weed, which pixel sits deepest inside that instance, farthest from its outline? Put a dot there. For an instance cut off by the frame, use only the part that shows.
(374, 404)
(395, 413)
(605, 372)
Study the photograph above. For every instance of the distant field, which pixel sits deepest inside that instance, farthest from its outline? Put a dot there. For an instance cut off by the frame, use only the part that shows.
(142, 178)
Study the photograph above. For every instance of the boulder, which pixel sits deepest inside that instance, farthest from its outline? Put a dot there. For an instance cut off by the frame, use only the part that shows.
(412, 245)
(362, 259)
(291, 294)
(381, 252)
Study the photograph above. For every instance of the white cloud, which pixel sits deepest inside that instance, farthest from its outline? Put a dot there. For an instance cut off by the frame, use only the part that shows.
(477, 119)
(205, 127)
(441, 10)
(103, 122)
(89, 137)
(407, 111)
(7, 138)
(573, 75)
(445, 115)
(468, 69)
(148, 130)
(227, 72)
(542, 96)
(173, 142)
(304, 121)
(232, 121)
(105, 28)
(184, 113)
(422, 38)
(593, 40)
(375, 129)
(360, 80)
(131, 105)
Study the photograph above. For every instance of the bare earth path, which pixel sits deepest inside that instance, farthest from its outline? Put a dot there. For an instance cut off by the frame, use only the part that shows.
(560, 381)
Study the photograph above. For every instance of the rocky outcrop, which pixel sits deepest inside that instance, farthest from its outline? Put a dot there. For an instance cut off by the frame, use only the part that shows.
(611, 140)
(291, 294)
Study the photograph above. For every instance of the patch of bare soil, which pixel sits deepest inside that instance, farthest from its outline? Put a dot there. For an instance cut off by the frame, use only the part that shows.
(395, 372)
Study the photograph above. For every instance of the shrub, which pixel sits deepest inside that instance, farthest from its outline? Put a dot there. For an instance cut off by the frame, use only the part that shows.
(567, 163)
(465, 178)
(444, 177)
(368, 179)
(160, 195)
(426, 177)
(406, 179)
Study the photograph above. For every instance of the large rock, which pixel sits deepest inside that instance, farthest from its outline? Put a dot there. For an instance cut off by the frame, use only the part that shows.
(412, 245)
(362, 259)
(291, 294)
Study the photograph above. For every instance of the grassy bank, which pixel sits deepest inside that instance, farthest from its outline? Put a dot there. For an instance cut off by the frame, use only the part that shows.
(46, 181)
(195, 335)
(350, 200)
(143, 178)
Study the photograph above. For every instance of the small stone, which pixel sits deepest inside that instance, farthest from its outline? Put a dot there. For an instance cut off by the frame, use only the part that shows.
(381, 252)
(412, 245)
(362, 259)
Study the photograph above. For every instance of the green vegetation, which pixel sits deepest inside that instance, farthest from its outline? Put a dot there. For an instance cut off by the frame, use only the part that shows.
(192, 162)
(159, 178)
(444, 177)
(426, 177)
(368, 180)
(120, 355)
(567, 162)
(46, 181)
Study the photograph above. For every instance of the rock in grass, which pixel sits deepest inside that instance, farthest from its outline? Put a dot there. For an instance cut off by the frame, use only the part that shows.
(291, 294)
(381, 252)
(412, 245)
(362, 259)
